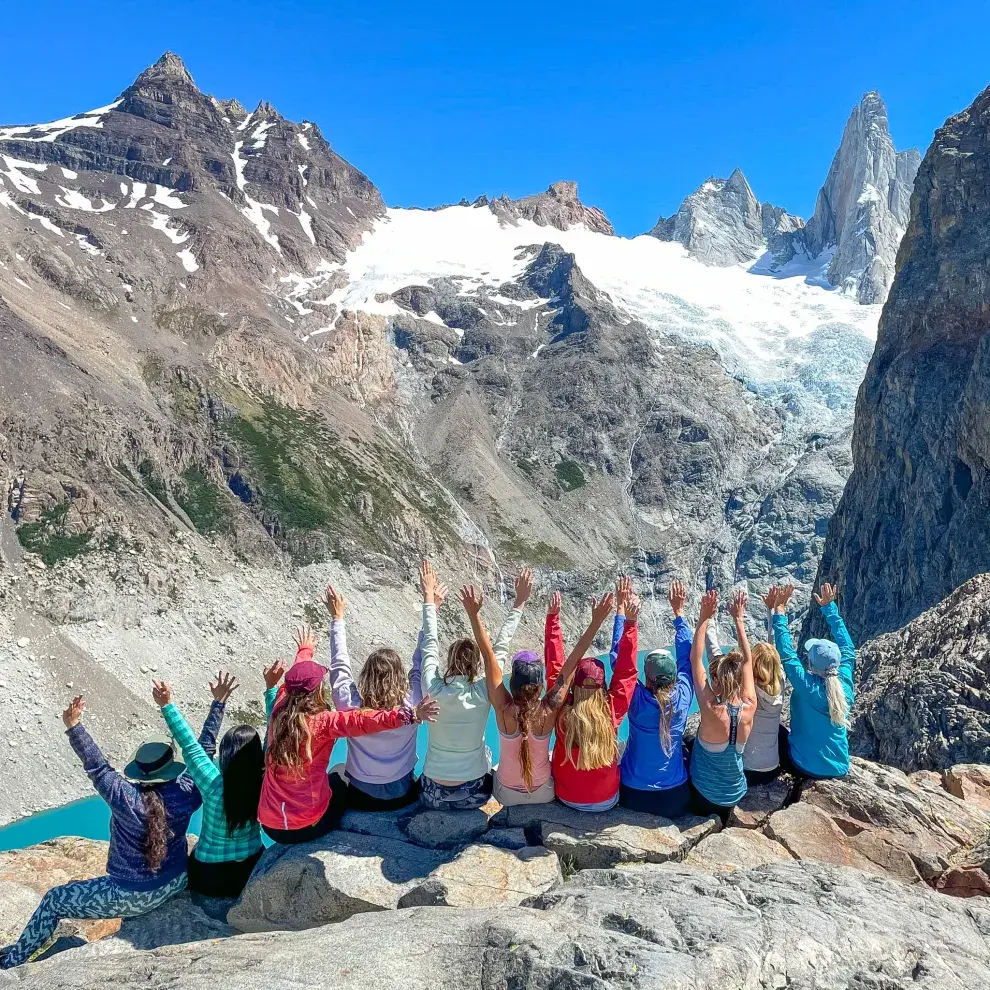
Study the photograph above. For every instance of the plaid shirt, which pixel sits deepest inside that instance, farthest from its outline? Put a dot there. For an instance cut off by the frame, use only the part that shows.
(215, 845)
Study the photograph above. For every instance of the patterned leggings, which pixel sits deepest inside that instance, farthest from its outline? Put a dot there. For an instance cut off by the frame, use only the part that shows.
(99, 898)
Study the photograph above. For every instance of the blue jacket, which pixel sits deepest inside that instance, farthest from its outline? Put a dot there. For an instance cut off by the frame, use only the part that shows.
(818, 747)
(126, 865)
(645, 766)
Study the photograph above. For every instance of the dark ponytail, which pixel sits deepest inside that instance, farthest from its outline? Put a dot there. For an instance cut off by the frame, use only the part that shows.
(156, 830)
(242, 763)
(527, 700)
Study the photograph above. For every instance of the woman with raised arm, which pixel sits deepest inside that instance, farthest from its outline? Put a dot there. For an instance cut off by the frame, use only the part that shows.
(654, 774)
(457, 769)
(299, 802)
(230, 838)
(727, 700)
(151, 803)
(823, 692)
(379, 767)
(586, 750)
(525, 720)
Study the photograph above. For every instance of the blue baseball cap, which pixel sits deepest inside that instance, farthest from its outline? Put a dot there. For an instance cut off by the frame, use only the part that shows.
(823, 656)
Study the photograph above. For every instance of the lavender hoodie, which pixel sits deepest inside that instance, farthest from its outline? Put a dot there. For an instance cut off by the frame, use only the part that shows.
(385, 757)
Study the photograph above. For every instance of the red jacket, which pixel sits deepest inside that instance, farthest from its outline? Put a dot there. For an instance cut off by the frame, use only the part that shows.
(295, 797)
(590, 786)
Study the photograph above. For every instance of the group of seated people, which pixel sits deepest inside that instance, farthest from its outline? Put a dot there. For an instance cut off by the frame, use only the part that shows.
(279, 783)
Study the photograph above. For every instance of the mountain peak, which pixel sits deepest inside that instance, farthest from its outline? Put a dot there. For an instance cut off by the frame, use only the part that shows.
(558, 207)
(266, 110)
(169, 66)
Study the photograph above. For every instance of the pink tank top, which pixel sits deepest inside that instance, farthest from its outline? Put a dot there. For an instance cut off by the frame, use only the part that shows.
(509, 770)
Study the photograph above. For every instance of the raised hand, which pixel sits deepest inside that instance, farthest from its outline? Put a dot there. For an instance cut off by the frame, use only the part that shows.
(427, 710)
(440, 594)
(601, 608)
(827, 594)
(677, 596)
(428, 582)
(472, 599)
(623, 592)
(524, 587)
(784, 592)
(737, 607)
(334, 601)
(553, 608)
(274, 673)
(770, 598)
(709, 606)
(161, 692)
(225, 686)
(306, 637)
(74, 712)
(633, 606)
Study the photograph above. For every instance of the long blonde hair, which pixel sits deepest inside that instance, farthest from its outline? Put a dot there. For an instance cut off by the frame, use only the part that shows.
(463, 660)
(289, 739)
(768, 672)
(725, 676)
(589, 729)
(838, 706)
(383, 683)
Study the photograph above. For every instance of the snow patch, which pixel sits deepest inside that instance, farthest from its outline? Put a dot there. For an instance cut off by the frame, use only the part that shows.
(306, 222)
(161, 222)
(254, 210)
(168, 197)
(22, 182)
(72, 199)
(188, 260)
(69, 174)
(304, 141)
(138, 192)
(55, 128)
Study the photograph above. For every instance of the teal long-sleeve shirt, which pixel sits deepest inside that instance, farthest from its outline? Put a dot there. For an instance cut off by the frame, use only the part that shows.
(818, 747)
(215, 844)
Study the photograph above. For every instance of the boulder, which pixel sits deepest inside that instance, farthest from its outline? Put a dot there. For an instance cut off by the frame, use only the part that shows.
(880, 807)
(485, 876)
(316, 883)
(446, 829)
(595, 847)
(384, 824)
(787, 924)
(760, 802)
(970, 873)
(506, 838)
(809, 833)
(735, 849)
(178, 920)
(17, 904)
(969, 782)
(56, 862)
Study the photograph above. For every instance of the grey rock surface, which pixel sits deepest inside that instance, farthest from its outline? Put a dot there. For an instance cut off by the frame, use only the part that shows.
(917, 502)
(784, 924)
(485, 876)
(736, 849)
(921, 702)
(864, 206)
(316, 883)
(558, 207)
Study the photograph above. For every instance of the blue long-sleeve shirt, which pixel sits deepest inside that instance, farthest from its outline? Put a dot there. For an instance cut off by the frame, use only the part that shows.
(126, 864)
(818, 747)
(645, 766)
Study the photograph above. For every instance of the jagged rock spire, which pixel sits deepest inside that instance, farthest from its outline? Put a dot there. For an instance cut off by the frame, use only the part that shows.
(169, 66)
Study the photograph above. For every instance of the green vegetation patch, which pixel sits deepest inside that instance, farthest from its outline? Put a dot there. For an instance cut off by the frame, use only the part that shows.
(570, 477)
(206, 504)
(50, 537)
(152, 482)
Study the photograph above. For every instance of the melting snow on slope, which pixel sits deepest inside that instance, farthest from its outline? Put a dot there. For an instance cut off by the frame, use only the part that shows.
(74, 200)
(761, 325)
(15, 173)
(254, 210)
(188, 260)
(160, 222)
(50, 131)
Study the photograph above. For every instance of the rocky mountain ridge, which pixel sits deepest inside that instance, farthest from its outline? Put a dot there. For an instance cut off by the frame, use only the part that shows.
(246, 373)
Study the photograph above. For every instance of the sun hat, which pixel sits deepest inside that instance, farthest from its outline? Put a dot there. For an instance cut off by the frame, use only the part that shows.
(154, 762)
(823, 656)
(589, 669)
(659, 668)
(527, 668)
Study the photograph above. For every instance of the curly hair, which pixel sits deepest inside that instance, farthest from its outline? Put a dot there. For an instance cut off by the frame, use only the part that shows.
(156, 830)
(463, 660)
(289, 742)
(383, 682)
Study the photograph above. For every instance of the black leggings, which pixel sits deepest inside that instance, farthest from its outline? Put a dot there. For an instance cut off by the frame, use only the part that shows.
(674, 802)
(330, 820)
(358, 800)
(223, 880)
(702, 807)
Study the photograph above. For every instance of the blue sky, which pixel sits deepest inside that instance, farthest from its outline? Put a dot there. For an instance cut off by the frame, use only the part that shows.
(638, 102)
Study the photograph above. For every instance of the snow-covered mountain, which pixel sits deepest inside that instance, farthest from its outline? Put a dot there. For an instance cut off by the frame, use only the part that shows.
(221, 351)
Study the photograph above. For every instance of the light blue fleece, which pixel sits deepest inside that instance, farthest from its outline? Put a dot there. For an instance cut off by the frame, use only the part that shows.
(817, 747)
